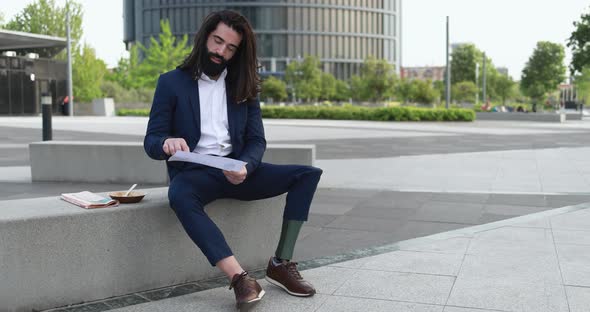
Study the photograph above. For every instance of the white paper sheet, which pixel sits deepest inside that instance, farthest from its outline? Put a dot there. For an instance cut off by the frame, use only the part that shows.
(223, 163)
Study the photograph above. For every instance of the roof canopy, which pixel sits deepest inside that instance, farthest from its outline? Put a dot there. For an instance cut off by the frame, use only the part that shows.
(21, 41)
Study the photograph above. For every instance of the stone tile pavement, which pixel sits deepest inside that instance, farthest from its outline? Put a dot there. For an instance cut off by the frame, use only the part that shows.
(534, 263)
(404, 180)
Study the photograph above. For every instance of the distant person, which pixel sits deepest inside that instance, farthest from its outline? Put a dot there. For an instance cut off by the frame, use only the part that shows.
(209, 105)
(520, 109)
(65, 110)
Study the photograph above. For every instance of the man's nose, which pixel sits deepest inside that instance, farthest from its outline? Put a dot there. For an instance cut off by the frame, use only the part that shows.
(221, 49)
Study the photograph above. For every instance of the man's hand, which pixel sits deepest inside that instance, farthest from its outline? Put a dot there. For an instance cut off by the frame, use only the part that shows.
(236, 177)
(173, 145)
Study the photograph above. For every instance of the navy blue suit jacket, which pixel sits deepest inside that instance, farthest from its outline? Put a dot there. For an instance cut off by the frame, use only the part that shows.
(176, 113)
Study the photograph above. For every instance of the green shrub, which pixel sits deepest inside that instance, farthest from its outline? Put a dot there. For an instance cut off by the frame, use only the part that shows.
(133, 112)
(121, 95)
(350, 113)
(347, 112)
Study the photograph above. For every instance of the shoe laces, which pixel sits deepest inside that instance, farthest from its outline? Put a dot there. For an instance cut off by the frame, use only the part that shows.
(292, 269)
(243, 283)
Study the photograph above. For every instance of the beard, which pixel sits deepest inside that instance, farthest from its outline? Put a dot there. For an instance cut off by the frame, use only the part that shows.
(211, 68)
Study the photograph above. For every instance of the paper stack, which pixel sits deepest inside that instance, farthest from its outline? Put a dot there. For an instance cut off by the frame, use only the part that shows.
(89, 200)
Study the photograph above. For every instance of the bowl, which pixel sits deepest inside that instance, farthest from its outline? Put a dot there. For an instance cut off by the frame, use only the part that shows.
(133, 197)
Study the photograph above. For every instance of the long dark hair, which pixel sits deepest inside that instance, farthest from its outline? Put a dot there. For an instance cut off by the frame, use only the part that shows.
(242, 76)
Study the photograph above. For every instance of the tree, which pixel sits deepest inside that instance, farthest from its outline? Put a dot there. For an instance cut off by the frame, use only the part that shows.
(46, 18)
(465, 59)
(342, 91)
(464, 91)
(424, 92)
(328, 87)
(417, 91)
(358, 88)
(161, 56)
(274, 89)
(305, 77)
(88, 73)
(463, 62)
(379, 77)
(405, 90)
(582, 83)
(1, 20)
(126, 74)
(544, 71)
(505, 88)
(579, 42)
(376, 82)
(440, 87)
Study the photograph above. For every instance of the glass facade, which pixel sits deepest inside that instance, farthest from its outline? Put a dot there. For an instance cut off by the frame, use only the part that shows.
(20, 94)
(342, 33)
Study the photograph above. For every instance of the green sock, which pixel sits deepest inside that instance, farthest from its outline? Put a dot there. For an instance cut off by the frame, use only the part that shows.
(289, 233)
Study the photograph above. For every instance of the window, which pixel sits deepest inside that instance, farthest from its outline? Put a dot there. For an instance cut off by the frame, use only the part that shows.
(313, 47)
(326, 44)
(333, 47)
(347, 49)
(312, 19)
(279, 45)
(326, 19)
(305, 46)
(298, 46)
(346, 27)
(305, 19)
(298, 19)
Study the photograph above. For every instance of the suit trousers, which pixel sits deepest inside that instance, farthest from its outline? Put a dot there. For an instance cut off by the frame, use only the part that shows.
(190, 190)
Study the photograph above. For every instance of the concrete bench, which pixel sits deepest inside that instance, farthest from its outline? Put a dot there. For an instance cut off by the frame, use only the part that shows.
(53, 253)
(126, 162)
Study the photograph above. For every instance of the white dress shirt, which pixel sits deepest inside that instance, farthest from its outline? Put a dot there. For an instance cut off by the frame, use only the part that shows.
(215, 138)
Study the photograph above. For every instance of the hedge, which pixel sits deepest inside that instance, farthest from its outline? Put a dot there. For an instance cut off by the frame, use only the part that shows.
(367, 113)
(133, 112)
(351, 113)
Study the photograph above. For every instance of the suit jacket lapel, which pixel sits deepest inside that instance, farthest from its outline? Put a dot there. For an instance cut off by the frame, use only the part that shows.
(231, 111)
(195, 105)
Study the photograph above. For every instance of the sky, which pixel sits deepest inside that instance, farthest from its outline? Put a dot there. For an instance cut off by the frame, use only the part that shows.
(507, 30)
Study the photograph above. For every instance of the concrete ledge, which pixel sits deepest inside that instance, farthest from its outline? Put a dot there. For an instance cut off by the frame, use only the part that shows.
(102, 162)
(126, 162)
(521, 116)
(289, 154)
(573, 116)
(103, 107)
(53, 253)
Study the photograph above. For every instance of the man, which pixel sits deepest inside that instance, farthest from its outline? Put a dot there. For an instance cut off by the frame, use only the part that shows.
(208, 105)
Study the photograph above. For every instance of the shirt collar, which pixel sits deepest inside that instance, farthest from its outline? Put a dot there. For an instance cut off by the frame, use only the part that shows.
(221, 77)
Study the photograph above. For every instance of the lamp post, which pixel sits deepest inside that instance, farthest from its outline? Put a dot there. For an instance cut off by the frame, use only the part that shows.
(476, 83)
(448, 88)
(70, 83)
(485, 99)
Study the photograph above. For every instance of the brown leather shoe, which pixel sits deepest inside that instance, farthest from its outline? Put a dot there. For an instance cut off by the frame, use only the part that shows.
(248, 291)
(286, 276)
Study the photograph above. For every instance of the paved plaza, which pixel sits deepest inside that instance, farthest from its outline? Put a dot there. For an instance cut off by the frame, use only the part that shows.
(460, 217)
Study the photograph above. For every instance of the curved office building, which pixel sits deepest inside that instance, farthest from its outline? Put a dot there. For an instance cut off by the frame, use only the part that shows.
(342, 33)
